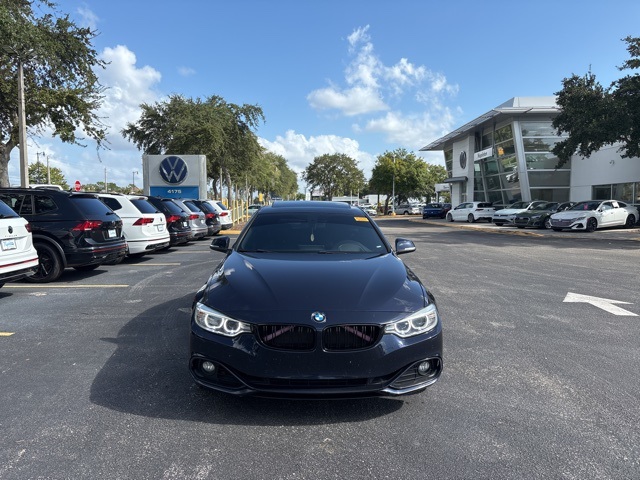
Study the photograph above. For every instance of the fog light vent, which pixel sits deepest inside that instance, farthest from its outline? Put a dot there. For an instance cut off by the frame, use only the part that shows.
(208, 367)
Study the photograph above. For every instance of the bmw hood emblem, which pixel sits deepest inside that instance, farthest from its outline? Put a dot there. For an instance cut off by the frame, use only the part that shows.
(318, 317)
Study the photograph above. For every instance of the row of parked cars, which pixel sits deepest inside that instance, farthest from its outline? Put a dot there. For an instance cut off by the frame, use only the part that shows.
(587, 215)
(45, 230)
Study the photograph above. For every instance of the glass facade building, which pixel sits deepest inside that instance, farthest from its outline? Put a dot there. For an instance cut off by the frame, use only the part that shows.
(506, 155)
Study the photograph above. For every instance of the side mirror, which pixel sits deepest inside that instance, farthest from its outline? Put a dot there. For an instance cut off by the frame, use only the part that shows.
(220, 244)
(404, 246)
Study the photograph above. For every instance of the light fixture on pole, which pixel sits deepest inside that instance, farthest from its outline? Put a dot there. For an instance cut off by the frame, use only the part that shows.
(22, 117)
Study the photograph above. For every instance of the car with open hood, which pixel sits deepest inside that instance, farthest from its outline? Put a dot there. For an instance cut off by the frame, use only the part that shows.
(313, 301)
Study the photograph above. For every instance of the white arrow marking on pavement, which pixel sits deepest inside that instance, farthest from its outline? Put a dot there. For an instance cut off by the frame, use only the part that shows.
(603, 303)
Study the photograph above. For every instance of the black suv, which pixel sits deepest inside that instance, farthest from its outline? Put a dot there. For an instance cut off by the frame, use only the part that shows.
(177, 219)
(69, 229)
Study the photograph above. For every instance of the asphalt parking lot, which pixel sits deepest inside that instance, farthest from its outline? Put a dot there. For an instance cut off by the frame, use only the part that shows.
(94, 380)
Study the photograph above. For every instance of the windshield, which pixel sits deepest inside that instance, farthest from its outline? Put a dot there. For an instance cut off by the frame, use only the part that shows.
(585, 206)
(314, 232)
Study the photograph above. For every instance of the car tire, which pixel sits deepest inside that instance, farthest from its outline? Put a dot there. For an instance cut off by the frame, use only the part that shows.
(49, 265)
(546, 224)
(471, 218)
(592, 225)
(87, 268)
(631, 221)
(449, 217)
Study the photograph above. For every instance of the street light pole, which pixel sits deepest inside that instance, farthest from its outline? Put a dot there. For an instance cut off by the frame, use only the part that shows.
(133, 178)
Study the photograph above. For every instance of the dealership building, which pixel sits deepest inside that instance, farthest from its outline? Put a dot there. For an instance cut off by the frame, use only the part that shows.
(505, 155)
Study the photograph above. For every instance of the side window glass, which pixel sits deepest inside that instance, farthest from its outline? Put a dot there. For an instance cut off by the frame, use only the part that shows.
(112, 203)
(23, 205)
(44, 204)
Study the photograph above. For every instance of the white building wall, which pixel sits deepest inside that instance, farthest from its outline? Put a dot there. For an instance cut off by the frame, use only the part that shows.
(602, 167)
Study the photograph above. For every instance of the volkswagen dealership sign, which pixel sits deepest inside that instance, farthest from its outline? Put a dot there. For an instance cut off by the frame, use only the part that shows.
(175, 176)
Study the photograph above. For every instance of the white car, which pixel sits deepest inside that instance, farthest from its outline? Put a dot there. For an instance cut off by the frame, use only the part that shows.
(18, 257)
(143, 227)
(593, 214)
(471, 212)
(369, 208)
(224, 214)
(408, 209)
(507, 215)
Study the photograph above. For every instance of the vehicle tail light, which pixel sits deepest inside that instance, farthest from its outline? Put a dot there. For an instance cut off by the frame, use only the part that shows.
(28, 227)
(193, 216)
(143, 221)
(87, 225)
(210, 215)
(173, 218)
(224, 214)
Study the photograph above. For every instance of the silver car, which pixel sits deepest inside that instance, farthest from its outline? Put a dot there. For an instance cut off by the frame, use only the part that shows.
(197, 219)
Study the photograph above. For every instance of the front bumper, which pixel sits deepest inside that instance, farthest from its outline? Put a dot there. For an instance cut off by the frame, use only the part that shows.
(244, 366)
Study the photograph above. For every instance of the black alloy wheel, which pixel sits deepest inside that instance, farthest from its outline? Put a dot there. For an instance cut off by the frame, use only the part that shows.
(49, 265)
(592, 225)
(631, 221)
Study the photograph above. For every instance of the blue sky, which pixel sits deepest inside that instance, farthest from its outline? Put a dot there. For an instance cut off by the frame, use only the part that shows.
(359, 77)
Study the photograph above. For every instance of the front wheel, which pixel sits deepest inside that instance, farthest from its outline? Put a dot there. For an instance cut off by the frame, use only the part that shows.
(449, 217)
(471, 218)
(49, 265)
(546, 224)
(631, 221)
(592, 225)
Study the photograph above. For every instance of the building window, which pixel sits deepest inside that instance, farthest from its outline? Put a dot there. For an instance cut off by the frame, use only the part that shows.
(448, 160)
(618, 191)
(550, 194)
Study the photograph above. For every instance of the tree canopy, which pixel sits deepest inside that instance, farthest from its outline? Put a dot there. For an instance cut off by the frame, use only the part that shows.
(38, 175)
(61, 88)
(335, 174)
(222, 131)
(594, 116)
(414, 178)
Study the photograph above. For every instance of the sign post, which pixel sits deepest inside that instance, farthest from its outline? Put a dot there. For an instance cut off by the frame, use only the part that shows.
(77, 186)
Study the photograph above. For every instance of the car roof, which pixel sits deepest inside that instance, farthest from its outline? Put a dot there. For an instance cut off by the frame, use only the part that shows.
(314, 205)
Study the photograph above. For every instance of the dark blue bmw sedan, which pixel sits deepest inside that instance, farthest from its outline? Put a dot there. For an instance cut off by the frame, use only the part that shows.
(312, 301)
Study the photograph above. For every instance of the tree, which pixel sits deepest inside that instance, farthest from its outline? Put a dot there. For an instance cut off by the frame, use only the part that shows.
(593, 116)
(412, 176)
(335, 174)
(213, 127)
(61, 88)
(38, 175)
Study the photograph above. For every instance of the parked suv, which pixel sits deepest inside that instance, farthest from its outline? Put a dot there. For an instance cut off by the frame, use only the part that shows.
(18, 257)
(144, 228)
(69, 229)
(210, 215)
(197, 220)
(177, 220)
(408, 209)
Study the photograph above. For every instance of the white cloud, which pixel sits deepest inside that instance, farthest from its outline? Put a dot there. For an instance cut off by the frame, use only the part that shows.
(300, 150)
(186, 71)
(371, 86)
(89, 19)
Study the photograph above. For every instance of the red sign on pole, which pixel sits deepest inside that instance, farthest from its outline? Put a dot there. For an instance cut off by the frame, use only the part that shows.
(77, 186)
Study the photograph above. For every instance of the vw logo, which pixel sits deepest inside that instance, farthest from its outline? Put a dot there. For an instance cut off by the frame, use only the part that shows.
(318, 317)
(10, 229)
(173, 170)
(463, 159)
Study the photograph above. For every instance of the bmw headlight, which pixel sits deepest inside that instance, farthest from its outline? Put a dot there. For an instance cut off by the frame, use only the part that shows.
(415, 324)
(219, 323)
